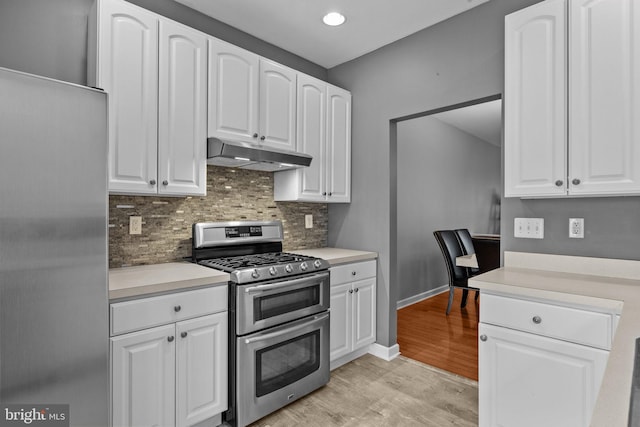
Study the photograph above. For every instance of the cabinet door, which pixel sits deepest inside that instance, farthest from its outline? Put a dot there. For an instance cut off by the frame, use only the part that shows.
(604, 110)
(535, 143)
(277, 106)
(233, 92)
(340, 335)
(201, 364)
(338, 145)
(530, 380)
(311, 126)
(143, 378)
(364, 300)
(128, 72)
(182, 126)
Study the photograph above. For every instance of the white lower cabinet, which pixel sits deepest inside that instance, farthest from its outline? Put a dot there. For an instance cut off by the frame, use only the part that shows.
(534, 368)
(171, 375)
(353, 311)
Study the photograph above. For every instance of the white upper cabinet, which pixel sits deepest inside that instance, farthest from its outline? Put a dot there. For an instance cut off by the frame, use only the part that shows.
(586, 142)
(154, 71)
(604, 88)
(127, 58)
(182, 126)
(250, 99)
(535, 100)
(233, 92)
(323, 132)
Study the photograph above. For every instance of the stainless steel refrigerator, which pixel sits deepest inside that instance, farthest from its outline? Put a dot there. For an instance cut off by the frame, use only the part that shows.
(53, 246)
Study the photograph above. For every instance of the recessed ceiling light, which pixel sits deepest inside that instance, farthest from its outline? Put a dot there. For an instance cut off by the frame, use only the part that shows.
(333, 19)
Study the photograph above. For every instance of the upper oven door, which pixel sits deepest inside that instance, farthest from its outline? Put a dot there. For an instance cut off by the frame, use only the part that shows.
(259, 306)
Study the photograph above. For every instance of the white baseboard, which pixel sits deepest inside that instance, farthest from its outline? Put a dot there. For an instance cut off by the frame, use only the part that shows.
(384, 353)
(424, 295)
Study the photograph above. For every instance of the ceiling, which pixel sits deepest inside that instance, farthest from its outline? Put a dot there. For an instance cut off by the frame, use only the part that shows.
(296, 25)
(483, 121)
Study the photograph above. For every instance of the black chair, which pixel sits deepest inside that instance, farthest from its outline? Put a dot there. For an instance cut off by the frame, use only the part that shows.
(458, 276)
(464, 237)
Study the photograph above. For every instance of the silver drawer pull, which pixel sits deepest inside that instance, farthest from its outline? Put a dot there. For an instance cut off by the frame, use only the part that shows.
(537, 320)
(483, 337)
(177, 308)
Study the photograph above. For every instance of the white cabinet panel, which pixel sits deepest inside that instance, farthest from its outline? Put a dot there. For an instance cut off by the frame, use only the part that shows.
(277, 106)
(604, 108)
(201, 363)
(364, 328)
(530, 381)
(311, 136)
(143, 378)
(535, 100)
(338, 145)
(233, 92)
(341, 321)
(182, 110)
(128, 71)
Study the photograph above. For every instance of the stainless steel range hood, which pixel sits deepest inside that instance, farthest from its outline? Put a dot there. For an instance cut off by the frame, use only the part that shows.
(248, 156)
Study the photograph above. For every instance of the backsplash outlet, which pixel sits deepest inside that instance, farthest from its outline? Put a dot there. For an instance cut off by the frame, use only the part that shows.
(232, 194)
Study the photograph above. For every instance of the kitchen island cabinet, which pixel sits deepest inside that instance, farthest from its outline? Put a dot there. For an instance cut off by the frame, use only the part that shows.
(592, 304)
(154, 70)
(584, 143)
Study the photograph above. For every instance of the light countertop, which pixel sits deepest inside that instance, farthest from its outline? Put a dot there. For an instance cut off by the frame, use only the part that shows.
(336, 256)
(141, 280)
(609, 284)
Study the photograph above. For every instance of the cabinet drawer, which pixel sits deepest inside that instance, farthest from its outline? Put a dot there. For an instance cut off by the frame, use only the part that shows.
(351, 272)
(566, 323)
(148, 312)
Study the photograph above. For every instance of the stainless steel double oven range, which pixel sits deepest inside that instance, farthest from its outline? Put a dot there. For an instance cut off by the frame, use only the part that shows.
(279, 318)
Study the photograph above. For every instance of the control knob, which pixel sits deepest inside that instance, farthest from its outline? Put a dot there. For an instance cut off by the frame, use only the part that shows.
(317, 263)
(273, 271)
(288, 268)
(304, 266)
(255, 273)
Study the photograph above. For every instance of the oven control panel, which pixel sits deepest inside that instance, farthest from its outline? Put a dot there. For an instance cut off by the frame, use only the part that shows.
(243, 231)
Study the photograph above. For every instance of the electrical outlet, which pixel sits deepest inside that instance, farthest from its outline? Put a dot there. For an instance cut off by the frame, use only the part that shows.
(528, 228)
(135, 225)
(308, 221)
(576, 228)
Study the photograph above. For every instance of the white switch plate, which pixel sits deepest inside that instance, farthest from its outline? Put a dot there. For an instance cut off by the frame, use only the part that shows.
(576, 228)
(135, 225)
(528, 228)
(308, 221)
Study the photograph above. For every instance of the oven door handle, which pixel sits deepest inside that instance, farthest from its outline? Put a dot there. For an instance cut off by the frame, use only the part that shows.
(265, 337)
(280, 285)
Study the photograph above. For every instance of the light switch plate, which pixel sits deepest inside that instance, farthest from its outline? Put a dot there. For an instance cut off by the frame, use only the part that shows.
(308, 221)
(528, 228)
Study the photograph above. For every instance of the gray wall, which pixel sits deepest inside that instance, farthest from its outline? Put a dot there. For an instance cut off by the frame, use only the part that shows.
(49, 37)
(455, 61)
(433, 194)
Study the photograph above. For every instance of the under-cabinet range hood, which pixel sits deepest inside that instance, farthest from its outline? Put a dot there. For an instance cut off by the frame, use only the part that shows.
(239, 154)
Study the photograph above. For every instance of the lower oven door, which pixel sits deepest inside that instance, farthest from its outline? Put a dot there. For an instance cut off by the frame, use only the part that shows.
(260, 306)
(279, 365)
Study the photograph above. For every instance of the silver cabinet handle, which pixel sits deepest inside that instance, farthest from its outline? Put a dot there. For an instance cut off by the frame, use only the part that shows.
(357, 289)
(255, 135)
(183, 334)
(262, 138)
(171, 338)
(152, 182)
(575, 181)
(350, 291)
(483, 337)
(324, 193)
(559, 183)
(165, 182)
(330, 194)
(537, 320)
(177, 308)
(353, 273)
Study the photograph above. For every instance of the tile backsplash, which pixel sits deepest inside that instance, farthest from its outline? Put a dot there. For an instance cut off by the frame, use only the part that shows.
(232, 194)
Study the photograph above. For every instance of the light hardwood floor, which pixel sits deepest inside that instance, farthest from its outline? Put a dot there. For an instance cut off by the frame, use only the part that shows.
(427, 334)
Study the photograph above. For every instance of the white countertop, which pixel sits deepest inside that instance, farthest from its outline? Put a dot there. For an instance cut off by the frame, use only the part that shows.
(613, 285)
(337, 256)
(148, 279)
